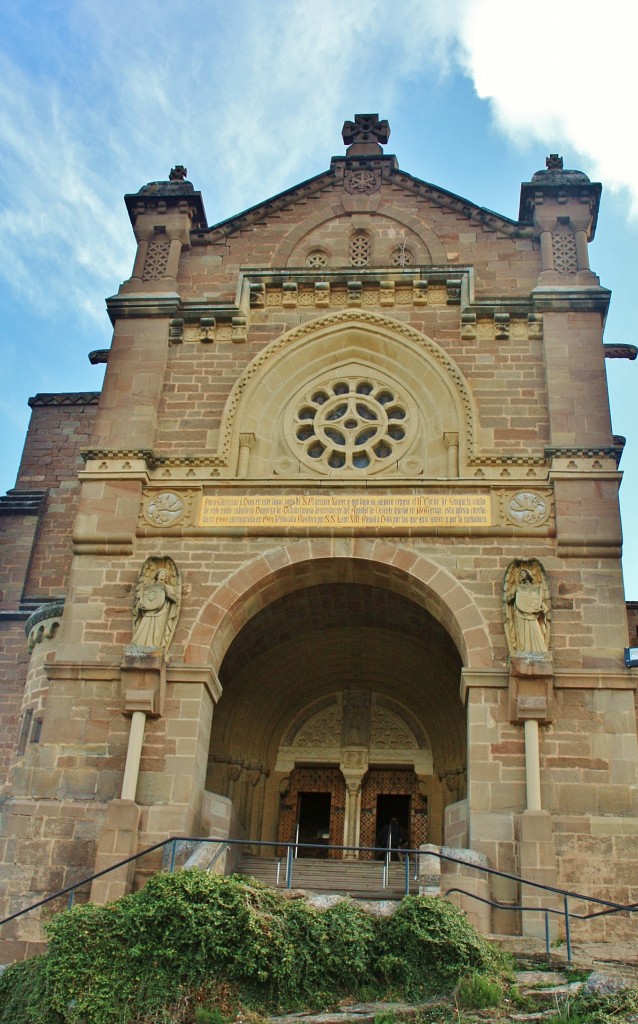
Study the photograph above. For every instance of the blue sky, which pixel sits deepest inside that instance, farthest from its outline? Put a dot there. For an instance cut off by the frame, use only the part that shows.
(98, 97)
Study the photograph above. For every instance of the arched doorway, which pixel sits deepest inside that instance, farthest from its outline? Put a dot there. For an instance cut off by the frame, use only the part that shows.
(348, 678)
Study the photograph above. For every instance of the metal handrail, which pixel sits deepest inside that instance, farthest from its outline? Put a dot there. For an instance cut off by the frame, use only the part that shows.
(293, 848)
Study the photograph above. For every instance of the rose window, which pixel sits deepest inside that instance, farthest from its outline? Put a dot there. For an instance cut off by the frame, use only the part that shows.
(351, 424)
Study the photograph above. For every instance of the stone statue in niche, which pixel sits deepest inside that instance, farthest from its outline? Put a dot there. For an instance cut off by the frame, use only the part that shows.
(156, 604)
(526, 607)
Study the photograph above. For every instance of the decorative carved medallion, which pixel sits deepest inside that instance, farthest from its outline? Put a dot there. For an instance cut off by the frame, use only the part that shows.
(527, 508)
(362, 182)
(164, 509)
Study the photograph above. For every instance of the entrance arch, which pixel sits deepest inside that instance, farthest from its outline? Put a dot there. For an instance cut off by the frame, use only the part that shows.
(354, 559)
(299, 631)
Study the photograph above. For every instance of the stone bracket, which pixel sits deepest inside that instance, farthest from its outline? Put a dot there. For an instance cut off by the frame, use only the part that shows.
(143, 674)
(531, 688)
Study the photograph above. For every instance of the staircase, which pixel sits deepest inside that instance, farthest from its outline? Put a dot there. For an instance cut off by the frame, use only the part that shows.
(360, 879)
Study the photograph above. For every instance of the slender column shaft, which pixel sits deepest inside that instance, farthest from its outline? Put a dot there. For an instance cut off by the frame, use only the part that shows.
(133, 755)
(451, 439)
(140, 258)
(242, 462)
(453, 461)
(353, 805)
(174, 253)
(547, 252)
(532, 766)
(582, 252)
(246, 442)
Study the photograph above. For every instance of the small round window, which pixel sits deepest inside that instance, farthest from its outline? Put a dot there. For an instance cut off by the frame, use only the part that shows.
(351, 424)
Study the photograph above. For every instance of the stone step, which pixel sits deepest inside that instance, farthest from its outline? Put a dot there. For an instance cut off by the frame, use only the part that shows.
(319, 875)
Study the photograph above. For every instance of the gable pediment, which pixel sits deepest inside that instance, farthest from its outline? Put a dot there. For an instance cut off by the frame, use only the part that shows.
(353, 179)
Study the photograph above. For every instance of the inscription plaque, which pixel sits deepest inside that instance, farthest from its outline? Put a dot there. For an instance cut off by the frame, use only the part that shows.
(345, 511)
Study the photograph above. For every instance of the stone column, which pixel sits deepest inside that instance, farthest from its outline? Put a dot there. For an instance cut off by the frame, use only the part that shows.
(140, 260)
(133, 755)
(532, 765)
(174, 253)
(582, 250)
(353, 814)
(246, 442)
(143, 674)
(547, 250)
(451, 439)
(531, 700)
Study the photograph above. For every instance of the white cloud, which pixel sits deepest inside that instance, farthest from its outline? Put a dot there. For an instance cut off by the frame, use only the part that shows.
(562, 71)
(251, 97)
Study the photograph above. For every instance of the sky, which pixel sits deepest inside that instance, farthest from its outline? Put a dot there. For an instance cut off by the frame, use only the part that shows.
(97, 97)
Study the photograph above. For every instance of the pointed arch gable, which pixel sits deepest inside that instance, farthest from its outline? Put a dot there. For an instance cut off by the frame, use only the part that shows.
(322, 343)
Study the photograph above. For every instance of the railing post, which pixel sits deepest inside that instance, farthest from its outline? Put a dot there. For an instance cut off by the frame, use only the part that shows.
(173, 856)
(289, 855)
(407, 874)
(547, 934)
(71, 899)
(568, 938)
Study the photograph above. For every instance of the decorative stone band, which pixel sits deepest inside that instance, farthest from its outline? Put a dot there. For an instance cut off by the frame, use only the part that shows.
(607, 452)
(44, 623)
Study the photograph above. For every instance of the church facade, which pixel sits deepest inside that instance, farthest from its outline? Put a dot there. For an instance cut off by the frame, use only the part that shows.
(338, 543)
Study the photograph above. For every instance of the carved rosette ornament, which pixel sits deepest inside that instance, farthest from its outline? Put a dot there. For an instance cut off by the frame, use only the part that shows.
(164, 509)
(156, 604)
(362, 182)
(527, 508)
(526, 608)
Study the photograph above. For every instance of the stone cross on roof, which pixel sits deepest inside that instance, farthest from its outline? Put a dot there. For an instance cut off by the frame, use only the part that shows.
(554, 162)
(364, 134)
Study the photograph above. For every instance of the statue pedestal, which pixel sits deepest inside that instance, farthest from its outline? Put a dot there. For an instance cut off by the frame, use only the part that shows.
(143, 674)
(531, 688)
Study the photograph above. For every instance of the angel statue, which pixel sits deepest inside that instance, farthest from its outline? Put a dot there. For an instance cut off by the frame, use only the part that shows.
(156, 603)
(526, 607)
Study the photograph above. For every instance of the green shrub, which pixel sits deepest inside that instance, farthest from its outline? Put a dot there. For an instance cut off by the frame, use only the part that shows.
(196, 942)
(428, 944)
(477, 992)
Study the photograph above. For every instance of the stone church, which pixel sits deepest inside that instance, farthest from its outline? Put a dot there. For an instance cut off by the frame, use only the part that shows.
(337, 543)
